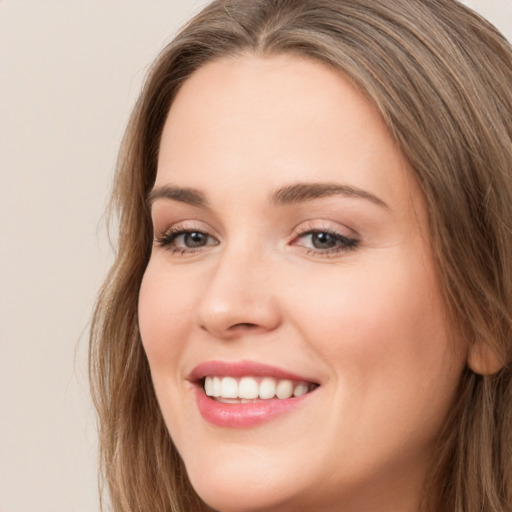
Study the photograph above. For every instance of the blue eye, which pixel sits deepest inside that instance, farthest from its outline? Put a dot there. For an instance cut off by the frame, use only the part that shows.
(325, 241)
(184, 240)
(192, 239)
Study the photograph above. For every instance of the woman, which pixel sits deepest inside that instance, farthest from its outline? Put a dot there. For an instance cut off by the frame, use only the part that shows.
(310, 308)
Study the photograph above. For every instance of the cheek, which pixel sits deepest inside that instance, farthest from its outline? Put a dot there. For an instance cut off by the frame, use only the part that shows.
(383, 332)
(164, 315)
(384, 337)
(370, 311)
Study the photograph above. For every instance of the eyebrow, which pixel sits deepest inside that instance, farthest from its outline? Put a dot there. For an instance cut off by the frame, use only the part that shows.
(300, 192)
(291, 194)
(184, 195)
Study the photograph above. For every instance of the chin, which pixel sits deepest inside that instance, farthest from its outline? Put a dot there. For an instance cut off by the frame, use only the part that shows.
(230, 497)
(230, 489)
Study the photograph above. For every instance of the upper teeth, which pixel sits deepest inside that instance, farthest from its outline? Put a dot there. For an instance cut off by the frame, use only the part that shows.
(253, 388)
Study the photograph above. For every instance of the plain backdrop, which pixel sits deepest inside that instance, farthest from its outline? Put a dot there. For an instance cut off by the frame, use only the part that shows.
(70, 71)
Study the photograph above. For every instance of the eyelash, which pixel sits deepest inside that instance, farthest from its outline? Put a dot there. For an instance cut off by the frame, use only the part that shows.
(344, 243)
(168, 237)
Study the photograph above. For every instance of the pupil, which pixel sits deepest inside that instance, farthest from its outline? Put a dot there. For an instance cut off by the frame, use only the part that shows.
(323, 241)
(194, 239)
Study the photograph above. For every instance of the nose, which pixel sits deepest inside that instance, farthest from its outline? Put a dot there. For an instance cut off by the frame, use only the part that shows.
(239, 299)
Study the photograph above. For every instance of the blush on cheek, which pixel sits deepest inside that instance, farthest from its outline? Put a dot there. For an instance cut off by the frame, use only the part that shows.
(359, 325)
(153, 318)
(165, 316)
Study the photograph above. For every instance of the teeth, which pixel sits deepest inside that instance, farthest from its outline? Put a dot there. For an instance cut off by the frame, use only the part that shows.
(248, 389)
(216, 386)
(229, 388)
(208, 386)
(284, 389)
(300, 389)
(267, 388)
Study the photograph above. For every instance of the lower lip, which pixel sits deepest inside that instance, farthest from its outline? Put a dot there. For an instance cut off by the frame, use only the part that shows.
(244, 415)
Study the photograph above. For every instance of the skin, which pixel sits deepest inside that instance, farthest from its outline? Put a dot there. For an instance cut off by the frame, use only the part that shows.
(366, 322)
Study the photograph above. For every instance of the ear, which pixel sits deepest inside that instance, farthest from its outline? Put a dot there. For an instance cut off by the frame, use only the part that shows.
(484, 360)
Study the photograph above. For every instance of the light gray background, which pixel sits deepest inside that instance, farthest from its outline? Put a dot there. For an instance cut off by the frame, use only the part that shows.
(69, 73)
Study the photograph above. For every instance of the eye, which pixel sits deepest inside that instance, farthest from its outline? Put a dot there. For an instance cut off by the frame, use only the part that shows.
(182, 240)
(191, 239)
(325, 241)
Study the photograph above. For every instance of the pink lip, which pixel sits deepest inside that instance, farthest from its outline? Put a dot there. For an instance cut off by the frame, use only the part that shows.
(241, 369)
(242, 415)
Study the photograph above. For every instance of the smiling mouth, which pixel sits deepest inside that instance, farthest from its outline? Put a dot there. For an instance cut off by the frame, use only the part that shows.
(251, 389)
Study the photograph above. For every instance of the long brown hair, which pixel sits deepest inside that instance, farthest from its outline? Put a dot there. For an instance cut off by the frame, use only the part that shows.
(441, 78)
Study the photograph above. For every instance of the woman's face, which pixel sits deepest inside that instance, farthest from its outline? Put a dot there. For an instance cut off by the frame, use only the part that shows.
(291, 257)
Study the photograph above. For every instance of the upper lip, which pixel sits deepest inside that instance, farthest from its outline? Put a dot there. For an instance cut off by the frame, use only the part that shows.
(242, 369)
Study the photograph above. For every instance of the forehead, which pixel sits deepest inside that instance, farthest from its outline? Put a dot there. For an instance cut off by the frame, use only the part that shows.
(268, 121)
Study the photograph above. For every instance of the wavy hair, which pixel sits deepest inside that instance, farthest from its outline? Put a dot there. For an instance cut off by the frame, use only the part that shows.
(441, 77)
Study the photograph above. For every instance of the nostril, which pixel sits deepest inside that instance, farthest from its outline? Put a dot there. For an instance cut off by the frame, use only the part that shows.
(235, 327)
(243, 326)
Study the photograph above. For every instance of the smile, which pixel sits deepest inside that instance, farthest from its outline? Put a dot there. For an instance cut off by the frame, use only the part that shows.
(245, 394)
(247, 389)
